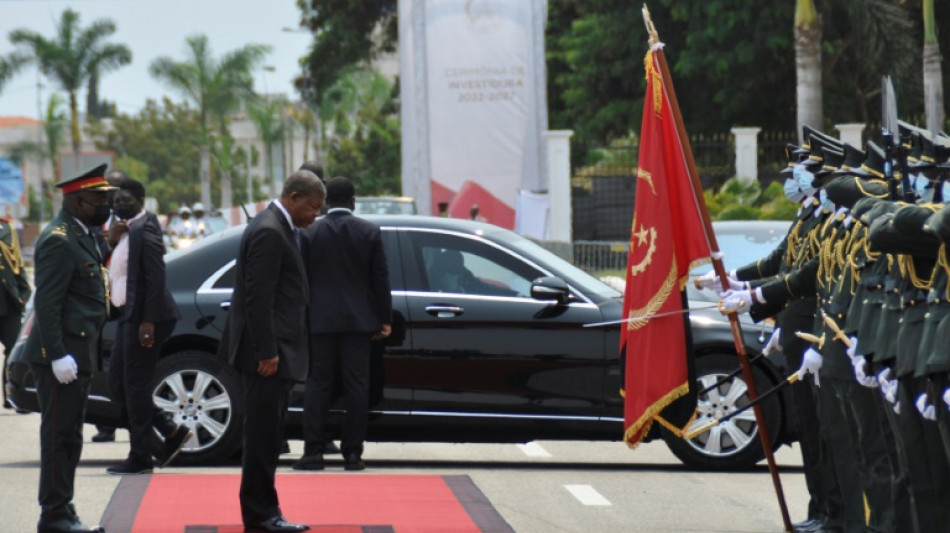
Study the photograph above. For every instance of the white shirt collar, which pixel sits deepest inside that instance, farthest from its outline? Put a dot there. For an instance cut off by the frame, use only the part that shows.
(286, 214)
(343, 209)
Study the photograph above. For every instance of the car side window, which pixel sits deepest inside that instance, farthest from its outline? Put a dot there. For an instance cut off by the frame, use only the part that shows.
(454, 264)
(226, 281)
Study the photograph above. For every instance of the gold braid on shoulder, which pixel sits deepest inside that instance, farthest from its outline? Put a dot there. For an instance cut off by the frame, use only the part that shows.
(11, 252)
(942, 262)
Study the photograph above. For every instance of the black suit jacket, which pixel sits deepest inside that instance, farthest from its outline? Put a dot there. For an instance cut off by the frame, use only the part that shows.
(268, 315)
(147, 299)
(349, 279)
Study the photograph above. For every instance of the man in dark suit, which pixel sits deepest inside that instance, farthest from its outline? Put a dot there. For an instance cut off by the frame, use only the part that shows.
(71, 307)
(265, 338)
(14, 293)
(148, 314)
(350, 307)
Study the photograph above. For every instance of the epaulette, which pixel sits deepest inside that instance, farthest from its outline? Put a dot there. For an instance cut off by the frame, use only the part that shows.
(59, 230)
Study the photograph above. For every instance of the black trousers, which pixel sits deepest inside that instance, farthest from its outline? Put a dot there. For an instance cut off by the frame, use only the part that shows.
(837, 430)
(265, 405)
(9, 329)
(820, 478)
(62, 408)
(350, 352)
(131, 371)
(928, 471)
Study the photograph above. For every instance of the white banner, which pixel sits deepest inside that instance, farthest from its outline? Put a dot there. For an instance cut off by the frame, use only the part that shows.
(474, 105)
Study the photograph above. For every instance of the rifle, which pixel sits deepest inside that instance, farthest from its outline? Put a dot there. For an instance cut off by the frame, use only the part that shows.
(893, 149)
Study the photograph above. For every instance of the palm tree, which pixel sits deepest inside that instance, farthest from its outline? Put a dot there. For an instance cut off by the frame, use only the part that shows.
(8, 67)
(933, 74)
(72, 56)
(267, 115)
(217, 87)
(808, 66)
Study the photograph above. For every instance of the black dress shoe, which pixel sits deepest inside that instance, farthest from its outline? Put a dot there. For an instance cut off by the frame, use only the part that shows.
(310, 462)
(806, 525)
(66, 525)
(276, 524)
(104, 435)
(130, 466)
(173, 444)
(352, 461)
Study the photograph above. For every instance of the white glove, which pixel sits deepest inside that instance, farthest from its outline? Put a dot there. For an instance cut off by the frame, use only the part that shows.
(897, 406)
(859, 363)
(852, 350)
(735, 284)
(927, 410)
(65, 369)
(772, 345)
(888, 386)
(811, 363)
(735, 302)
(709, 280)
(946, 397)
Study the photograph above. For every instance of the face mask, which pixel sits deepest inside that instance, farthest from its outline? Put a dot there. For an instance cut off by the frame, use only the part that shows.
(125, 211)
(923, 189)
(826, 204)
(805, 179)
(792, 192)
(101, 216)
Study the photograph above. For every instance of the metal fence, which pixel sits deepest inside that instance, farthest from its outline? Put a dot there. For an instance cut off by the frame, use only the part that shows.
(603, 178)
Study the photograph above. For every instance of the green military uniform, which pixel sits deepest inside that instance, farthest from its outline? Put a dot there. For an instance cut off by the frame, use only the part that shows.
(16, 290)
(797, 314)
(936, 338)
(914, 255)
(70, 308)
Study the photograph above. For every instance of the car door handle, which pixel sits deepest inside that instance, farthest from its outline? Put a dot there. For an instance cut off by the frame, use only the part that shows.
(444, 311)
(226, 305)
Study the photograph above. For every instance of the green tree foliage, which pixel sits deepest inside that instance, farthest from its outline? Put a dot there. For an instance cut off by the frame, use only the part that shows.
(72, 56)
(165, 137)
(346, 33)
(364, 145)
(738, 200)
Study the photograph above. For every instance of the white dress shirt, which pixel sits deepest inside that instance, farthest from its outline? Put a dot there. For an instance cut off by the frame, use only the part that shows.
(119, 267)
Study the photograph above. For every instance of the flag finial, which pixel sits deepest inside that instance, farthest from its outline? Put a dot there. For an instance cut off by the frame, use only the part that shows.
(651, 29)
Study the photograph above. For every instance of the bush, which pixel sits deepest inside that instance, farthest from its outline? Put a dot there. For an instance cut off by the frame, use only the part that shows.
(737, 200)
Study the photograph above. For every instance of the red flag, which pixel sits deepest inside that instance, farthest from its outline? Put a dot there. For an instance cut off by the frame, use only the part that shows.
(667, 239)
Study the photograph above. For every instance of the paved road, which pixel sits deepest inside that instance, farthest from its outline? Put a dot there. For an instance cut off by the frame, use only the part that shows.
(542, 487)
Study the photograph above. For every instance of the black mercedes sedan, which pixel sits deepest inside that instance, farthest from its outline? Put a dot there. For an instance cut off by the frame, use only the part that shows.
(488, 345)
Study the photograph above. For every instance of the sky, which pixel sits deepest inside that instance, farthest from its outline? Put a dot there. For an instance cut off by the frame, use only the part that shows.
(155, 28)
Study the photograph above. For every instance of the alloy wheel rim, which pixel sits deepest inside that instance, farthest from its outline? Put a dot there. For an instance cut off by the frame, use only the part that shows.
(198, 400)
(729, 437)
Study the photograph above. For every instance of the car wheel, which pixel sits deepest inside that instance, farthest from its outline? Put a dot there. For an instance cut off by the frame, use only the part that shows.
(734, 444)
(205, 394)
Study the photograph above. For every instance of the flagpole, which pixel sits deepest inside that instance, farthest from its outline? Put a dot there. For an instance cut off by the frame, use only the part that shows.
(718, 266)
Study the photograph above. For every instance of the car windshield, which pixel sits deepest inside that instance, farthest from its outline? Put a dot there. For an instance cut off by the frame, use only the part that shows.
(586, 283)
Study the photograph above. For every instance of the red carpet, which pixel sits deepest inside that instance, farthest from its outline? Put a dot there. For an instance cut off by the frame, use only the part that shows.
(329, 503)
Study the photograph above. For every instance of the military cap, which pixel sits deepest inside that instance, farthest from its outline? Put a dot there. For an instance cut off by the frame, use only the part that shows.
(93, 180)
(814, 138)
(863, 205)
(833, 160)
(916, 147)
(846, 191)
(853, 157)
(942, 158)
(873, 164)
(926, 157)
(792, 156)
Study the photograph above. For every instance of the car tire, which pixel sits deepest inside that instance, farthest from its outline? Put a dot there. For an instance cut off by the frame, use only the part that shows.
(735, 444)
(205, 394)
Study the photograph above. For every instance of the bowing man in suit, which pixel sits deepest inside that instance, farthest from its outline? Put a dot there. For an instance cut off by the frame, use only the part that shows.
(147, 316)
(63, 346)
(351, 306)
(265, 338)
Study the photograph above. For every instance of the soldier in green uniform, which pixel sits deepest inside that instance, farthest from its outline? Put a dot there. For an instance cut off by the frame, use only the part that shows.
(824, 509)
(16, 291)
(71, 305)
(914, 255)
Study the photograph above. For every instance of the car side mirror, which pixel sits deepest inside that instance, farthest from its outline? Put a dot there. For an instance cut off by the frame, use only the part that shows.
(550, 288)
